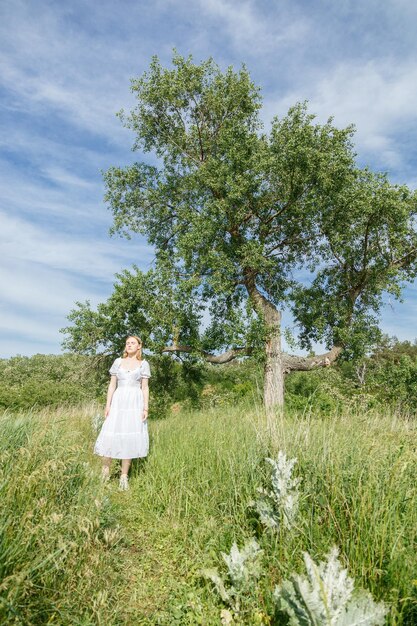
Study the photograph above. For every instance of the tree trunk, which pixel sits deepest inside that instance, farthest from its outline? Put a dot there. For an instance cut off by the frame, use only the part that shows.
(274, 372)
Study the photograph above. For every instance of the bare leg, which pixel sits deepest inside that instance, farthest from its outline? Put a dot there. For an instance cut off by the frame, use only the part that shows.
(124, 484)
(125, 466)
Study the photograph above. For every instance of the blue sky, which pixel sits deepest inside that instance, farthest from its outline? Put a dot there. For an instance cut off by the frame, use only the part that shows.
(65, 70)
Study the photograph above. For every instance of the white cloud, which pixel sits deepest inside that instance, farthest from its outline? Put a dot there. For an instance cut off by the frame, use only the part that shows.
(40, 201)
(379, 98)
(41, 150)
(99, 259)
(23, 326)
(41, 278)
(248, 28)
(27, 329)
(35, 303)
(60, 176)
(40, 290)
(48, 65)
(42, 275)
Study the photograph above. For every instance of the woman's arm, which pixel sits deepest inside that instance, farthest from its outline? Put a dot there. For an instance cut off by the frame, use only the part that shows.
(145, 392)
(110, 392)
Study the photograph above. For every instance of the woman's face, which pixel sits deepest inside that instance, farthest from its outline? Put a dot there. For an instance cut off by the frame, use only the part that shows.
(132, 345)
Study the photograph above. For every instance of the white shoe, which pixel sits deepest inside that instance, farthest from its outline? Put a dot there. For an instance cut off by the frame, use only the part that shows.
(123, 483)
(105, 473)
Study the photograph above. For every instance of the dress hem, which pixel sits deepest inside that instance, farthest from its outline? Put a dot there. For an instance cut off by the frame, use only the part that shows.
(120, 458)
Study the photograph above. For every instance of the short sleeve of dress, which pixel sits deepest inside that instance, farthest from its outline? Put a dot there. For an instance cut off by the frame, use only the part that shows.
(145, 370)
(114, 367)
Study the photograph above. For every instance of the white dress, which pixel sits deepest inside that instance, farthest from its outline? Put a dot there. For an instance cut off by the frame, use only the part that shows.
(124, 435)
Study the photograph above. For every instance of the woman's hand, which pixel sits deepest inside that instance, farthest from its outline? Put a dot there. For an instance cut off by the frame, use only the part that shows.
(106, 411)
(144, 415)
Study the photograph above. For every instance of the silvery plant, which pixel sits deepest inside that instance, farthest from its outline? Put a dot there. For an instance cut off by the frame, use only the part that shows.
(243, 570)
(97, 422)
(325, 596)
(279, 506)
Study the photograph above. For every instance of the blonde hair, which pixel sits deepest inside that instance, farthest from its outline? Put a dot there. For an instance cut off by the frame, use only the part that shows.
(139, 351)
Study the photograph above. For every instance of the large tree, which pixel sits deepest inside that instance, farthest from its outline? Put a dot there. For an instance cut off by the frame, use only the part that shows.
(245, 223)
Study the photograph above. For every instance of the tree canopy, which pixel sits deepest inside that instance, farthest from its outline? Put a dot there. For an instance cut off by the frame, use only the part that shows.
(246, 222)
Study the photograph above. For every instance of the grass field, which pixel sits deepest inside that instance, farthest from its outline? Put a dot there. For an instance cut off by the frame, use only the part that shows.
(75, 551)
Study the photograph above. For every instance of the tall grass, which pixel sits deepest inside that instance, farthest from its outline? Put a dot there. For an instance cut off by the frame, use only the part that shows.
(58, 550)
(64, 561)
(359, 492)
(189, 502)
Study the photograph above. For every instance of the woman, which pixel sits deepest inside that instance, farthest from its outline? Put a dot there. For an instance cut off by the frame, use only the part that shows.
(124, 434)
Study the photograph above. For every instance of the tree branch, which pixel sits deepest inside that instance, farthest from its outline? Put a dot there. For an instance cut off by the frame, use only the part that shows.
(200, 139)
(284, 242)
(292, 363)
(182, 149)
(216, 359)
(407, 258)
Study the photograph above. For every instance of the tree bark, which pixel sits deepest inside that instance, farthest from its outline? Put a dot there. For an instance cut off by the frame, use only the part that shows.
(216, 359)
(292, 363)
(273, 373)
